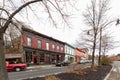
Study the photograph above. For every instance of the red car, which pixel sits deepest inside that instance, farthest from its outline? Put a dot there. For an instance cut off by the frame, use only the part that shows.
(15, 66)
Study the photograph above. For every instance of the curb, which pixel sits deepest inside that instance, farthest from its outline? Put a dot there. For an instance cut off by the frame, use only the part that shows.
(106, 78)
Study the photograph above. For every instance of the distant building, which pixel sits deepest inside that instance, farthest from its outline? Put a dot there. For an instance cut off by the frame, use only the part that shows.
(69, 53)
(79, 54)
(85, 50)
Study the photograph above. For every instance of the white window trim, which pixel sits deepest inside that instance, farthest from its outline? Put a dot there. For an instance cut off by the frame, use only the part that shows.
(47, 46)
(39, 43)
(29, 41)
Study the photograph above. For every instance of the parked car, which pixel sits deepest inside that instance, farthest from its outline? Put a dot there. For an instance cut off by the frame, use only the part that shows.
(15, 66)
(89, 61)
(62, 63)
(82, 61)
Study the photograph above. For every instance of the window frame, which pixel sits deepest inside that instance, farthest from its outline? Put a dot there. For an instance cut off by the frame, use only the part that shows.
(47, 46)
(39, 44)
(29, 41)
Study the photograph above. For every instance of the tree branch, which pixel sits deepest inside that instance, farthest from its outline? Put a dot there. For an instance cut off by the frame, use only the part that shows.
(15, 12)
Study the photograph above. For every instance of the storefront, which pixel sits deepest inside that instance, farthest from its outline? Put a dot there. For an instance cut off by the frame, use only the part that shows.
(35, 57)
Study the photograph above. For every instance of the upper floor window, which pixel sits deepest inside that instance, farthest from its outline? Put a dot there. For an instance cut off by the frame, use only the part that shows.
(29, 41)
(58, 48)
(47, 46)
(39, 43)
(62, 49)
(53, 47)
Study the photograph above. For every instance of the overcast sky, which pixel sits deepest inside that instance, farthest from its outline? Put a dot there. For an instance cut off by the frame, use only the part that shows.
(70, 35)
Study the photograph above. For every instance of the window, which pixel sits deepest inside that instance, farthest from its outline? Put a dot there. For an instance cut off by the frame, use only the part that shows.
(47, 46)
(28, 57)
(8, 44)
(53, 47)
(39, 43)
(61, 49)
(57, 48)
(29, 41)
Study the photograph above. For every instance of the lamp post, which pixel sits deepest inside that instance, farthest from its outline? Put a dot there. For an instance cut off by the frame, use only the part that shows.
(100, 38)
(100, 44)
(117, 22)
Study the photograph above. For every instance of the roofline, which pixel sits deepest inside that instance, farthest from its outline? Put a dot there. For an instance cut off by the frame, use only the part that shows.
(35, 32)
(69, 45)
(79, 50)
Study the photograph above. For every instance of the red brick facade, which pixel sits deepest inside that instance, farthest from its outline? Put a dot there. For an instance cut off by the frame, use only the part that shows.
(78, 54)
(35, 55)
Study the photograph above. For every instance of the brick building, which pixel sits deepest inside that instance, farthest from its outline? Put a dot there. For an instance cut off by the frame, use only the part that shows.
(33, 47)
(79, 54)
(41, 49)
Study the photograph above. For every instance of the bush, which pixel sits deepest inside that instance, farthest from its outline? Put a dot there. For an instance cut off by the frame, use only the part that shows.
(105, 61)
(51, 78)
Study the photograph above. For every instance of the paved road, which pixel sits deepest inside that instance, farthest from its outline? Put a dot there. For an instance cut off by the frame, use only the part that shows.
(115, 73)
(42, 72)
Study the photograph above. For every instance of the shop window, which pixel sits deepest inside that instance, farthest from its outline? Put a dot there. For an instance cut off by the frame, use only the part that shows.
(28, 57)
(42, 58)
(53, 59)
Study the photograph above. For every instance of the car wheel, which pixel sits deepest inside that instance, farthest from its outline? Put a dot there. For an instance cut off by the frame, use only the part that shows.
(61, 65)
(17, 69)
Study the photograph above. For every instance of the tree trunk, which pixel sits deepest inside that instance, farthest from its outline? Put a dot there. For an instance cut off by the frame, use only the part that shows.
(3, 71)
(93, 53)
(99, 59)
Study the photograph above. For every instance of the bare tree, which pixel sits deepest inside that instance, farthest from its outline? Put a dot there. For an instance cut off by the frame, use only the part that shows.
(96, 18)
(85, 40)
(9, 18)
(107, 43)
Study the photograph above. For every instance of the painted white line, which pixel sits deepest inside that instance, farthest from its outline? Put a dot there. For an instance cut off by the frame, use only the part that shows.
(57, 73)
(115, 70)
(30, 70)
(106, 78)
(42, 76)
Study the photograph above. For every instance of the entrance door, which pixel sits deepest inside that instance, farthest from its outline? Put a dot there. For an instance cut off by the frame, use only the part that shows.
(35, 60)
(58, 59)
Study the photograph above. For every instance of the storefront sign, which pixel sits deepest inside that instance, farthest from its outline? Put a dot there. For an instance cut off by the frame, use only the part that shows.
(13, 55)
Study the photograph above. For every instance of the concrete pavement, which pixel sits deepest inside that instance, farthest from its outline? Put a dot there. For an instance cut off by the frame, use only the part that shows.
(114, 74)
(40, 66)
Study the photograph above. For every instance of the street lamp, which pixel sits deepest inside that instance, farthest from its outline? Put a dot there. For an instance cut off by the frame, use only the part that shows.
(103, 26)
(117, 22)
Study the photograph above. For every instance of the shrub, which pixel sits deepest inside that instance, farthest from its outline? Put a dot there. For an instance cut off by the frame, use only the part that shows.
(51, 78)
(105, 61)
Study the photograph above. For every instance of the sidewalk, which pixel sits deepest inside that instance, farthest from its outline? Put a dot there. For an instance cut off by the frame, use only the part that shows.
(109, 75)
(114, 74)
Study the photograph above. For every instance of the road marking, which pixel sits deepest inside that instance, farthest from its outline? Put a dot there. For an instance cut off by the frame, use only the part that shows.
(115, 70)
(57, 73)
(42, 76)
(30, 70)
